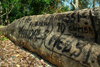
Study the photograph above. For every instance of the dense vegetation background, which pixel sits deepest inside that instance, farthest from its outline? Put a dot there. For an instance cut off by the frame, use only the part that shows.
(14, 9)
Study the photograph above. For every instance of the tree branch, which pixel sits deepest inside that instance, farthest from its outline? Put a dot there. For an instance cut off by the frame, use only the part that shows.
(9, 11)
(73, 4)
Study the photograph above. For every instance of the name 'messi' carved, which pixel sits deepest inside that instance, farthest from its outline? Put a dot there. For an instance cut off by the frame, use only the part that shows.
(65, 39)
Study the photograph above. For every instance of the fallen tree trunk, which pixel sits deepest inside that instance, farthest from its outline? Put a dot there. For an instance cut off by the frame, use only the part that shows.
(69, 39)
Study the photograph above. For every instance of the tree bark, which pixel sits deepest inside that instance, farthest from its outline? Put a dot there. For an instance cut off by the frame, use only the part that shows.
(75, 4)
(68, 39)
(93, 3)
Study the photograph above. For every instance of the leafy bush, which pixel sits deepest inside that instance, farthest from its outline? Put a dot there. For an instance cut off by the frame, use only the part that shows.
(2, 38)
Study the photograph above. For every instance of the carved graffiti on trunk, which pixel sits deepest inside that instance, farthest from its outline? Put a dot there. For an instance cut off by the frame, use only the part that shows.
(65, 35)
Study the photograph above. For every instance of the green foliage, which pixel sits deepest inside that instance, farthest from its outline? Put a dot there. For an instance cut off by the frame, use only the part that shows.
(30, 7)
(2, 38)
(83, 4)
(65, 8)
